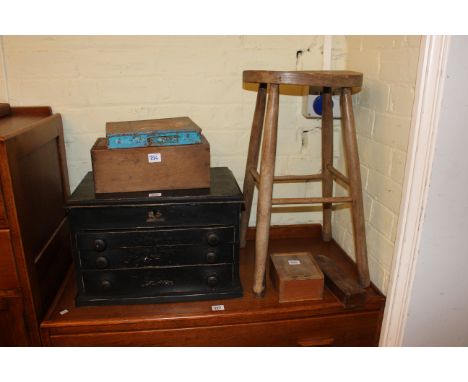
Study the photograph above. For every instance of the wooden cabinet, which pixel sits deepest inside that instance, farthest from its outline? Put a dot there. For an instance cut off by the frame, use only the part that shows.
(244, 321)
(34, 235)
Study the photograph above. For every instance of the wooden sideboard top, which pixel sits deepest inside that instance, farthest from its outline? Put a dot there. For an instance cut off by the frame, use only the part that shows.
(63, 314)
(21, 118)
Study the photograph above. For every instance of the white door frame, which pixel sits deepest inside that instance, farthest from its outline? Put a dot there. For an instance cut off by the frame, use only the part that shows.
(424, 124)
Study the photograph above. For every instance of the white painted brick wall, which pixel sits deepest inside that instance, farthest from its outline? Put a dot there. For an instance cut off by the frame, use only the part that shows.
(3, 83)
(383, 117)
(94, 79)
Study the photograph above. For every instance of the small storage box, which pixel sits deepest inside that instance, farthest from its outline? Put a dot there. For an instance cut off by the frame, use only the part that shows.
(150, 168)
(296, 276)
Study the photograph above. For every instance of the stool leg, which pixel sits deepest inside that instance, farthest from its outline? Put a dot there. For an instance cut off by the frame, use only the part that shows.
(355, 186)
(327, 160)
(265, 189)
(252, 161)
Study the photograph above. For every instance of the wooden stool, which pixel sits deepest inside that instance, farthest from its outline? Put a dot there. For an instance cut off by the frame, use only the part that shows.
(328, 82)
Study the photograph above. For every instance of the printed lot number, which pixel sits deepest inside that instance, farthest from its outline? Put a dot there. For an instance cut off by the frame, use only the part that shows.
(154, 158)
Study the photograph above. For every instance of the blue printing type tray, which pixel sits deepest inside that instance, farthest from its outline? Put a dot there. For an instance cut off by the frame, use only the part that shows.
(160, 138)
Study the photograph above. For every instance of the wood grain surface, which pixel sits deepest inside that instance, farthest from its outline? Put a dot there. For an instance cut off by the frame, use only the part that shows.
(327, 160)
(324, 78)
(8, 275)
(252, 160)
(355, 185)
(265, 188)
(296, 276)
(128, 170)
(3, 217)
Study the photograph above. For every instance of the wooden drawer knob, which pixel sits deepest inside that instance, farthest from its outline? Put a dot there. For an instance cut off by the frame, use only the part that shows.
(213, 239)
(212, 280)
(100, 245)
(102, 262)
(211, 257)
(106, 285)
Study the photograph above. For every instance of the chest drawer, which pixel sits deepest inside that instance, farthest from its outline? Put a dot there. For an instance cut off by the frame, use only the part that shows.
(156, 284)
(157, 256)
(150, 216)
(103, 241)
(345, 329)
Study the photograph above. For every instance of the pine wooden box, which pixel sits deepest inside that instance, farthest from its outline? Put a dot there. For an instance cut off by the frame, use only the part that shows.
(296, 276)
(150, 168)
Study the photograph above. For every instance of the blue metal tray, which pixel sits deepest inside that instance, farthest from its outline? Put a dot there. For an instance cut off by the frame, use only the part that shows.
(155, 138)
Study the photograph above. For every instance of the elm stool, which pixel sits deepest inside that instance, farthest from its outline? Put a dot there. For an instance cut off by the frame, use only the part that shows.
(265, 121)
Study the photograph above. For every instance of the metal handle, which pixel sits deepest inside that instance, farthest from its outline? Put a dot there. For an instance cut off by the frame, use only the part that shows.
(154, 216)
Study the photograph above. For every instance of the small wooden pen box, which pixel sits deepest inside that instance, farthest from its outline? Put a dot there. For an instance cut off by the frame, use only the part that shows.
(296, 276)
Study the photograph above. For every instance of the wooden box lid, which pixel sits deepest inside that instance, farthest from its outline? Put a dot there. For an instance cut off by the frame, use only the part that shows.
(150, 125)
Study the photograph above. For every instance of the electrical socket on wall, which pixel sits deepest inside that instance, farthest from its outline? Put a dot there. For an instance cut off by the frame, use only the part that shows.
(312, 106)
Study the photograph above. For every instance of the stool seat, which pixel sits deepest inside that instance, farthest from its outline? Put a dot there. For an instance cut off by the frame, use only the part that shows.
(318, 78)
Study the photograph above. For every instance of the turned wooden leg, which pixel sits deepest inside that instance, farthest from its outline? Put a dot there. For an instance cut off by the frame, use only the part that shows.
(265, 189)
(355, 186)
(327, 160)
(252, 161)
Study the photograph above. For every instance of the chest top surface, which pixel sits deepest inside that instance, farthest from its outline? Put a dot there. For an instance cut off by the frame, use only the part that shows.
(20, 120)
(224, 188)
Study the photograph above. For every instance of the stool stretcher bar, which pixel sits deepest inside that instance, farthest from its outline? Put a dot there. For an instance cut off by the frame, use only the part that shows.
(336, 199)
(287, 178)
(292, 178)
(297, 178)
(338, 175)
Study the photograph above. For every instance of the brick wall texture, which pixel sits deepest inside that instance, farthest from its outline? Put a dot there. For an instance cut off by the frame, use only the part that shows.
(91, 80)
(3, 82)
(383, 118)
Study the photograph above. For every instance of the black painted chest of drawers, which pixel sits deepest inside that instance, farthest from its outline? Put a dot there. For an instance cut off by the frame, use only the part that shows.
(149, 247)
